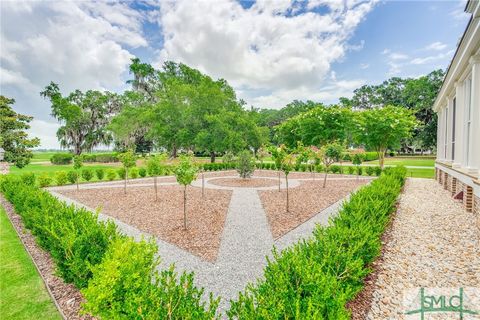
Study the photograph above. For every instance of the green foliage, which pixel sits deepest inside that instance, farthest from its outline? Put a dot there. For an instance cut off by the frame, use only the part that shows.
(61, 158)
(72, 176)
(128, 159)
(359, 170)
(378, 171)
(351, 170)
(121, 173)
(28, 178)
(288, 163)
(142, 172)
(357, 158)
(315, 278)
(13, 134)
(335, 169)
(61, 178)
(369, 170)
(77, 162)
(87, 174)
(133, 173)
(278, 154)
(245, 164)
(44, 180)
(127, 285)
(111, 174)
(228, 157)
(155, 164)
(100, 173)
(186, 171)
(330, 153)
(75, 239)
(101, 157)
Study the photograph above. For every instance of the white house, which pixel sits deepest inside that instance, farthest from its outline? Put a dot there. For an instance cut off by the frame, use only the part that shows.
(458, 108)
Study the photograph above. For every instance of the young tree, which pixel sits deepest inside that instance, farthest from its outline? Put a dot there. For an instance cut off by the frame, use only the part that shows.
(288, 162)
(155, 168)
(13, 136)
(185, 173)
(245, 164)
(262, 153)
(329, 154)
(380, 129)
(278, 154)
(128, 160)
(77, 164)
(313, 159)
(357, 160)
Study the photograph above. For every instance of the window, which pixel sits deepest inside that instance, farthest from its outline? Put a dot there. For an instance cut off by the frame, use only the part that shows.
(454, 115)
(468, 117)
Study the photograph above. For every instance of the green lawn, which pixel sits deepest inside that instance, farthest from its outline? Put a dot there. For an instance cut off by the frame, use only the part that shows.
(413, 161)
(421, 173)
(39, 168)
(22, 292)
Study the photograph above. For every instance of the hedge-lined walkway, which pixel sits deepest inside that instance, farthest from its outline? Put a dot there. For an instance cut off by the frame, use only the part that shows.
(433, 243)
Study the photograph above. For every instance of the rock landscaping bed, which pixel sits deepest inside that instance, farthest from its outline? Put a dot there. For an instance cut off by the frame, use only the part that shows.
(67, 298)
(164, 218)
(305, 201)
(244, 183)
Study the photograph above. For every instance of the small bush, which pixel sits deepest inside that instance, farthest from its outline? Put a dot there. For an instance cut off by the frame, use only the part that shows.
(133, 173)
(359, 170)
(28, 178)
(121, 173)
(142, 172)
(378, 171)
(61, 158)
(87, 174)
(245, 164)
(61, 178)
(370, 170)
(72, 176)
(100, 173)
(44, 180)
(370, 156)
(111, 174)
(351, 170)
(335, 169)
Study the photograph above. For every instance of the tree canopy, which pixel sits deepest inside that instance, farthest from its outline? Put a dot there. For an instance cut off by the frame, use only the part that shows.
(13, 136)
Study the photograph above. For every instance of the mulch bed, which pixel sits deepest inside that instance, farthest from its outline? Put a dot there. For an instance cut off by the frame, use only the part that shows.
(67, 297)
(164, 218)
(306, 200)
(244, 183)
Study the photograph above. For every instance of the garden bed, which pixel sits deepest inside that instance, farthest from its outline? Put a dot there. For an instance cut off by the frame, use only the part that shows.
(306, 200)
(164, 218)
(244, 183)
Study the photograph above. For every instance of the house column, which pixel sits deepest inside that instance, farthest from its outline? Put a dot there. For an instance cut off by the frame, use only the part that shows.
(460, 106)
(440, 151)
(475, 138)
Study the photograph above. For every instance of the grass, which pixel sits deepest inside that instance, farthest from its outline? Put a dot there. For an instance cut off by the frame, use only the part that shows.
(39, 168)
(411, 161)
(22, 292)
(421, 172)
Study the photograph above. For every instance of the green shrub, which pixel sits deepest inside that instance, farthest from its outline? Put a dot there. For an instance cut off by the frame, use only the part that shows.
(61, 158)
(378, 171)
(75, 239)
(315, 278)
(44, 180)
(359, 170)
(126, 285)
(142, 172)
(87, 174)
(335, 169)
(111, 174)
(351, 170)
(245, 164)
(61, 178)
(28, 178)
(133, 173)
(370, 156)
(106, 157)
(370, 170)
(100, 173)
(72, 176)
(121, 173)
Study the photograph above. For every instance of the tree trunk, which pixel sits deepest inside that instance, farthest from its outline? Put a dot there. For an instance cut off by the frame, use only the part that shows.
(381, 158)
(325, 178)
(174, 151)
(212, 156)
(125, 185)
(286, 180)
(279, 181)
(156, 189)
(185, 208)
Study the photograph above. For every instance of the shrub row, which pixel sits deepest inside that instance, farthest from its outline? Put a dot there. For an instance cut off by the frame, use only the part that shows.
(216, 166)
(100, 157)
(117, 276)
(369, 156)
(61, 158)
(315, 278)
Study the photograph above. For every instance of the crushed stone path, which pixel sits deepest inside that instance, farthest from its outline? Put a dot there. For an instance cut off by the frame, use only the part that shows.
(434, 243)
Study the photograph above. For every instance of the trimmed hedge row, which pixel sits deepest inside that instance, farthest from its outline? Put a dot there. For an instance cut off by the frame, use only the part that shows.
(369, 156)
(116, 275)
(315, 278)
(61, 158)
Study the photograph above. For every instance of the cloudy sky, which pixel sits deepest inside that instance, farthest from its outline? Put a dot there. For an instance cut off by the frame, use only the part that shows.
(272, 52)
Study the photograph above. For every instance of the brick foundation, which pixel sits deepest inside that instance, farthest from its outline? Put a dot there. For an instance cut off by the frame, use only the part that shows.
(468, 198)
(471, 203)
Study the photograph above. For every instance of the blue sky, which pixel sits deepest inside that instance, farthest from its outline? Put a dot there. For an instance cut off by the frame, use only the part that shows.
(271, 52)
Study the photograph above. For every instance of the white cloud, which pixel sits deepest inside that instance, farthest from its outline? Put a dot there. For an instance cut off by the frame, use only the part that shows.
(46, 132)
(436, 46)
(459, 13)
(76, 44)
(262, 47)
(429, 59)
(364, 66)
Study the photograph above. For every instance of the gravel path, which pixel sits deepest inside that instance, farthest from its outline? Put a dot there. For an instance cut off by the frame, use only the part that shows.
(433, 243)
